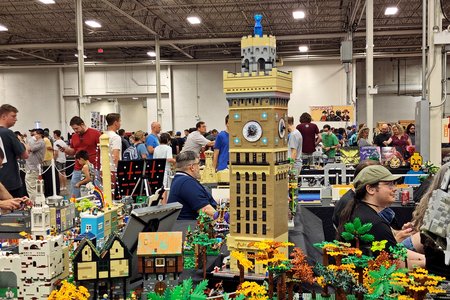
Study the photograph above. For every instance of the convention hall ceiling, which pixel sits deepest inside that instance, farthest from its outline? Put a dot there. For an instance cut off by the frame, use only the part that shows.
(46, 33)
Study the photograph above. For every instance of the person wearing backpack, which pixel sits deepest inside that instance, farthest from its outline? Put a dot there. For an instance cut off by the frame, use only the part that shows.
(139, 143)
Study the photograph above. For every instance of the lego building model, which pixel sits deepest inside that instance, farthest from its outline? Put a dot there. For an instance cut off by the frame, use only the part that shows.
(113, 262)
(160, 259)
(42, 260)
(258, 102)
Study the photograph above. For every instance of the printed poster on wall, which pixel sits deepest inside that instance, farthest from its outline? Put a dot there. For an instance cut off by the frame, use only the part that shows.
(332, 113)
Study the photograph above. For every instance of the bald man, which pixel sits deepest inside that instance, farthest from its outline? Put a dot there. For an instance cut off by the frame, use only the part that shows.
(153, 139)
(382, 138)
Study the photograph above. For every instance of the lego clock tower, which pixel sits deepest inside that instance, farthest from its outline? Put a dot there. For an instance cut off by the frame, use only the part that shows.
(258, 103)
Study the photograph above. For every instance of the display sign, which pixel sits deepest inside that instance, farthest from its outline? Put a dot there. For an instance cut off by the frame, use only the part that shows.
(332, 113)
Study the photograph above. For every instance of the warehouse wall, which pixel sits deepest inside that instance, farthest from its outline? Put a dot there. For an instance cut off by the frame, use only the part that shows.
(195, 92)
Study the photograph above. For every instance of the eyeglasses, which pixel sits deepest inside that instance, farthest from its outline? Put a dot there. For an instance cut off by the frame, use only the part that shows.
(196, 163)
(390, 184)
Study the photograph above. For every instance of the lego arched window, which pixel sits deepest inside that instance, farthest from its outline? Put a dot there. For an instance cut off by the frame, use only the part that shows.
(261, 64)
(56, 244)
(246, 64)
(254, 176)
(263, 176)
(34, 247)
(247, 176)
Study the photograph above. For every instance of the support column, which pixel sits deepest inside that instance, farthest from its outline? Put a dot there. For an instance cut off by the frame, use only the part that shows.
(158, 81)
(434, 85)
(62, 105)
(369, 67)
(80, 48)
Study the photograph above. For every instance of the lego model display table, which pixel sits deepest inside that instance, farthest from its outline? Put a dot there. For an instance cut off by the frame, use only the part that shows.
(403, 214)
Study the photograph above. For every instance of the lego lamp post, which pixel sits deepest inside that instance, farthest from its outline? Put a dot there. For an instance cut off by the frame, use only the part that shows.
(106, 168)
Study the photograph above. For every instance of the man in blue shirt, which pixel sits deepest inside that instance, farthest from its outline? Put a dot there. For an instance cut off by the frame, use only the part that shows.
(152, 139)
(187, 190)
(222, 149)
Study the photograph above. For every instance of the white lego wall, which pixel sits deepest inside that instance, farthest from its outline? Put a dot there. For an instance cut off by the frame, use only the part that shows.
(196, 93)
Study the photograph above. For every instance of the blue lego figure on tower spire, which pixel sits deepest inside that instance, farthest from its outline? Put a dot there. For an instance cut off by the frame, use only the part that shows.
(258, 30)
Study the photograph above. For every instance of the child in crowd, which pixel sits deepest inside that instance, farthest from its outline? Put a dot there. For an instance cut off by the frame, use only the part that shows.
(165, 151)
(87, 169)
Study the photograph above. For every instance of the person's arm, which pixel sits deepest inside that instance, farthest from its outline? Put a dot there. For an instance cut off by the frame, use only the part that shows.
(69, 151)
(4, 194)
(10, 204)
(208, 209)
(318, 138)
(293, 153)
(87, 176)
(408, 142)
(216, 158)
(115, 156)
(388, 142)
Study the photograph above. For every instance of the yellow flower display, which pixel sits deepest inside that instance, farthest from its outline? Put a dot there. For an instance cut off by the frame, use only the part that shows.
(378, 245)
(68, 291)
(252, 291)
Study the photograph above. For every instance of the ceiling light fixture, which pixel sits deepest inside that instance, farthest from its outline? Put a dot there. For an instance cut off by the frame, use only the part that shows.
(93, 24)
(298, 14)
(390, 11)
(47, 1)
(151, 53)
(76, 55)
(3, 28)
(303, 48)
(194, 20)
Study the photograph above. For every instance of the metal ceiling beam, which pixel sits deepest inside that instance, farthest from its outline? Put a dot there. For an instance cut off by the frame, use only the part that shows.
(112, 44)
(143, 26)
(33, 55)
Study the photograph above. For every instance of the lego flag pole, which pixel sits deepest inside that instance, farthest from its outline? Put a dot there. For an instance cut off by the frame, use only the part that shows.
(106, 168)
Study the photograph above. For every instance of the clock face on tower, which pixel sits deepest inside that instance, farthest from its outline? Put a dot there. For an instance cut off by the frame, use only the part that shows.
(252, 131)
(281, 128)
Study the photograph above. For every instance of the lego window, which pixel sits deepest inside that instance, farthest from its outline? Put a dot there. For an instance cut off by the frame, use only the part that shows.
(238, 157)
(238, 201)
(171, 262)
(264, 229)
(264, 217)
(264, 202)
(34, 247)
(238, 176)
(263, 176)
(247, 158)
(247, 176)
(247, 188)
(255, 178)
(88, 227)
(255, 202)
(247, 215)
(255, 228)
(255, 189)
(255, 213)
(238, 188)
(149, 263)
(247, 201)
(238, 214)
(264, 189)
(159, 262)
(238, 227)
(247, 228)
(264, 158)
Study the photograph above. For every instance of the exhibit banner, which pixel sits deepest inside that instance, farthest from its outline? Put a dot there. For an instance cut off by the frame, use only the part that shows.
(332, 113)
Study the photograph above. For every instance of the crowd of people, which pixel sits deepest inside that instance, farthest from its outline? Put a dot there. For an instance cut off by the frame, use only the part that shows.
(34, 153)
(329, 139)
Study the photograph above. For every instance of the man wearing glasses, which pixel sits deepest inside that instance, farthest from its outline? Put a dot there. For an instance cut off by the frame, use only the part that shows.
(187, 190)
(84, 138)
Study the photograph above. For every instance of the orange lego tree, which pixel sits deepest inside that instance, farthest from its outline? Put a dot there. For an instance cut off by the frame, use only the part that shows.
(270, 255)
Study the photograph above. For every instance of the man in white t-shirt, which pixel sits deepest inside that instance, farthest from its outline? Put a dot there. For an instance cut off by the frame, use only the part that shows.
(196, 140)
(295, 143)
(115, 142)
(60, 158)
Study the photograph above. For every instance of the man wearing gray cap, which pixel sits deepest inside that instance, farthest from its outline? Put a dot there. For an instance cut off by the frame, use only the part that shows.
(375, 190)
